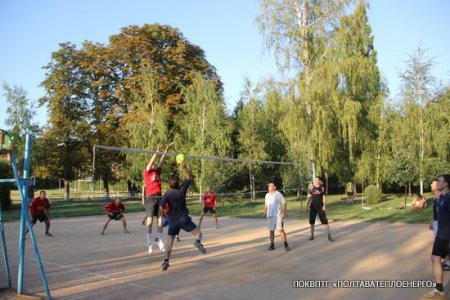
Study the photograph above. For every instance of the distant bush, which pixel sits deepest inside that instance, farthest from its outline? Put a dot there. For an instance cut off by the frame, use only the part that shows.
(372, 194)
(5, 188)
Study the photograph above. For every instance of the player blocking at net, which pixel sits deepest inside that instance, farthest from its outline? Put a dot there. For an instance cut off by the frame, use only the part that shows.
(152, 184)
(179, 218)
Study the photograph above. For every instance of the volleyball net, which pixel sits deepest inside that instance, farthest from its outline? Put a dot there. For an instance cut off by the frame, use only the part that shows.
(232, 179)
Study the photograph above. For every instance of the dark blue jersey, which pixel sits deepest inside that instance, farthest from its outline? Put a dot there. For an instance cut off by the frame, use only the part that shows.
(176, 199)
(443, 217)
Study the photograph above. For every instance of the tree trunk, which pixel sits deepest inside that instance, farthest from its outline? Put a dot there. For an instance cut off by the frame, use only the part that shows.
(252, 192)
(406, 191)
(66, 190)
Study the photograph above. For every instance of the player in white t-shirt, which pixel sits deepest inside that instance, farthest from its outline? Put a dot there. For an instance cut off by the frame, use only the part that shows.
(275, 212)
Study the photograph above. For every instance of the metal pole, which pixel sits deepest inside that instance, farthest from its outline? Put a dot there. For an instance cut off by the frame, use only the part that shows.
(24, 220)
(5, 252)
(91, 187)
(21, 185)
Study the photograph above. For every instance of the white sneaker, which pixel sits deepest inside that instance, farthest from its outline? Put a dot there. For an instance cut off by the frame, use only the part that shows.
(161, 245)
(434, 294)
(150, 249)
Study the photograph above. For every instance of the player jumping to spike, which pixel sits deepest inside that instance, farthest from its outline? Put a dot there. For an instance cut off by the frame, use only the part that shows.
(152, 183)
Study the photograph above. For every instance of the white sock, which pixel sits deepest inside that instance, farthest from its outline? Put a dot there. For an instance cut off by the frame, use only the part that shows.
(159, 235)
(149, 239)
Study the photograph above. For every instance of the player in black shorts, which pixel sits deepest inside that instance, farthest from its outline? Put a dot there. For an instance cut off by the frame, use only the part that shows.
(317, 203)
(179, 214)
(442, 239)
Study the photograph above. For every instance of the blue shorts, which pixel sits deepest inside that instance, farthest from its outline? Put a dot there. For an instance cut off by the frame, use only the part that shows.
(184, 222)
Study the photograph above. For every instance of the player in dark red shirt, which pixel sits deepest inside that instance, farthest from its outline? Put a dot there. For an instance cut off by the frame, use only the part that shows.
(40, 210)
(114, 211)
(152, 198)
(209, 202)
(317, 203)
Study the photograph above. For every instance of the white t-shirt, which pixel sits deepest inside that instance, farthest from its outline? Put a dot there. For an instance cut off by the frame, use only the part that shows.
(273, 203)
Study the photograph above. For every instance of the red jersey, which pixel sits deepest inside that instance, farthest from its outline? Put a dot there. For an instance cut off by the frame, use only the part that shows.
(210, 199)
(112, 208)
(152, 181)
(38, 205)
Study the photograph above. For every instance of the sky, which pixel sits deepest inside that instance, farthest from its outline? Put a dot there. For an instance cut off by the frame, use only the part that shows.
(226, 30)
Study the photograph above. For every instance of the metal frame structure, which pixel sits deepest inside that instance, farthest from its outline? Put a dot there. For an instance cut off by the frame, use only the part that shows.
(6, 146)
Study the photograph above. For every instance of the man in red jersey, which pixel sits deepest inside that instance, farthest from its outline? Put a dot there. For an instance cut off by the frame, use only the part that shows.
(152, 183)
(114, 211)
(40, 210)
(209, 201)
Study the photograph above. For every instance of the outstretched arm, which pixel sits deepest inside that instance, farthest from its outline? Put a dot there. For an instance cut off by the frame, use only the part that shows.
(163, 157)
(152, 160)
(183, 167)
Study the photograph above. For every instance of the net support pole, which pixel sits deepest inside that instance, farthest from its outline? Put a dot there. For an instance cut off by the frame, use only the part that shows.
(25, 221)
(4, 250)
(91, 186)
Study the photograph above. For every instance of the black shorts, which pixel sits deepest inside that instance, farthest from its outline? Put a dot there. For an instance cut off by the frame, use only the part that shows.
(209, 209)
(184, 222)
(440, 247)
(41, 218)
(350, 194)
(115, 216)
(313, 212)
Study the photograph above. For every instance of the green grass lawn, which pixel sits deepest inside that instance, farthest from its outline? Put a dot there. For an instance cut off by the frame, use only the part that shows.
(337, 210)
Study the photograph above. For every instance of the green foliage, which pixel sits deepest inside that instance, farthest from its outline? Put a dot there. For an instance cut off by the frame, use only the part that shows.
(5, 188)
(204, 130)
(150, 85)
(372, 194)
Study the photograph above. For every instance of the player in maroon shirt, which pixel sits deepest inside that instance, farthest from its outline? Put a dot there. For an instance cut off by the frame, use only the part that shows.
(40, 210)
(209, 201)
(114, 211)
(152, 198)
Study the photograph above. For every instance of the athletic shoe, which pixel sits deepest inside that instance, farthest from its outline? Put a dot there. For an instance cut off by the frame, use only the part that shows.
(126, 231)
(150, 249)
(330, 239)
(286, 247)
(178, 239)
(48, 234)
(165, 265)
(200, 247)
(217, 227)
(271, 248)
(161, 245)
(445, 266)
(434, 294)
(311, 238)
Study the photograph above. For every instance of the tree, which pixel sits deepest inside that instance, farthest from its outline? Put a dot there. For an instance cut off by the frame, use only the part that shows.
(68, 136)
(145, 123)
(416, 93)
(252, 138)
(20, 120)
(301, 34)
(204, 129)
(90, 91)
